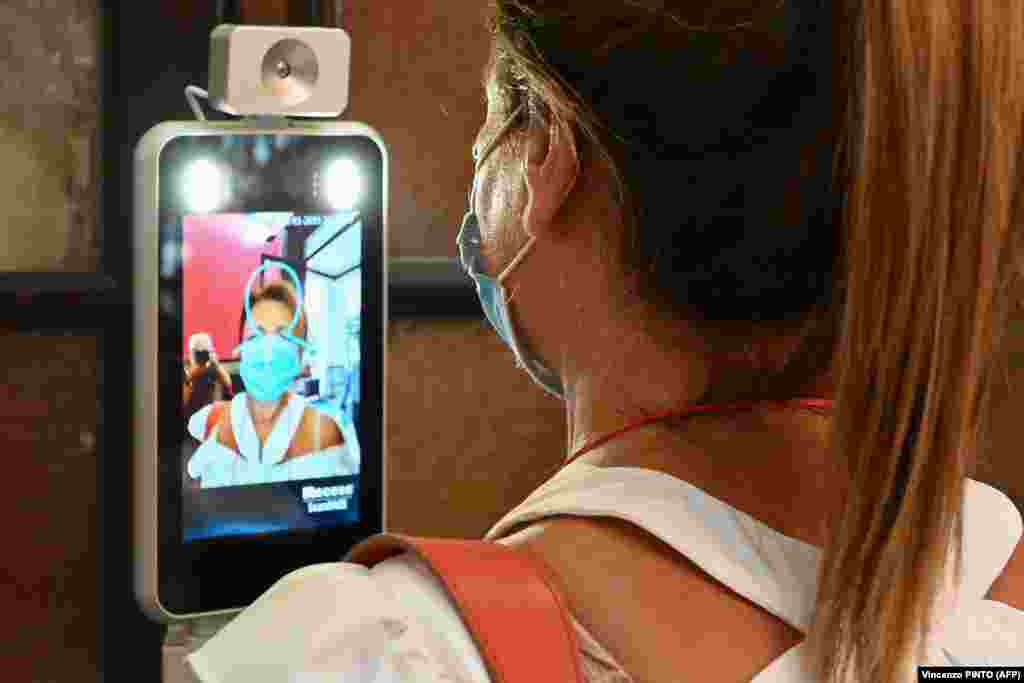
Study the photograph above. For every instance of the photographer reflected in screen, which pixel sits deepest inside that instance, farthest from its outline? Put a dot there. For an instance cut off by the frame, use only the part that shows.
(206, 379)
(268, 433)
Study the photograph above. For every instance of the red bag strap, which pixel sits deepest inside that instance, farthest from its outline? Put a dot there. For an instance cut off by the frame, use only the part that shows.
(506, 598)
(213, 419)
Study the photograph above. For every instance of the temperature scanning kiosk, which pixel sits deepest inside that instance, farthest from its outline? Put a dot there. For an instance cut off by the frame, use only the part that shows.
(260, 291)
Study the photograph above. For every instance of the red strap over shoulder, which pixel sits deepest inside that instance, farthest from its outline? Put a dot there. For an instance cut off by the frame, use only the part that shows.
(213, 419)
(506, 598)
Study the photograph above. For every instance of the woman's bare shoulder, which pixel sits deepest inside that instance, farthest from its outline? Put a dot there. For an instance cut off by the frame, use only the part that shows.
(317, 432)
(635, 594)
(330, 432)
(1008, 588)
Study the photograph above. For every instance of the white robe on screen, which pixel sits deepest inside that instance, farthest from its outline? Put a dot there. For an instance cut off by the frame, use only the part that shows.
(217, 465)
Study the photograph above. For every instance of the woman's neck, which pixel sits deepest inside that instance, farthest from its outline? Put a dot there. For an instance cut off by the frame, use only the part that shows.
(777, 469)
(264, 413)
(771, 463)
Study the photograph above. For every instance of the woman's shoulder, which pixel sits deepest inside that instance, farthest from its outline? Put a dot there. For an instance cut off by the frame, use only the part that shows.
(342, 619)
(327, 423)
(204, 419)
(317, 431)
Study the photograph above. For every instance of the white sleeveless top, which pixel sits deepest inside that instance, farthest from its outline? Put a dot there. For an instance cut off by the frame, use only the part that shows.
(778, 572)
(394, 623)
(214, 464)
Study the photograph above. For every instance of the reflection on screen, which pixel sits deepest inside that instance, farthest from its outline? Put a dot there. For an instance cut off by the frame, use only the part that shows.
(270, 393)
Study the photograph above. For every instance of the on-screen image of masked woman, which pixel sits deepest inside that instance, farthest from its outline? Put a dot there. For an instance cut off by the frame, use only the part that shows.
(268, 433)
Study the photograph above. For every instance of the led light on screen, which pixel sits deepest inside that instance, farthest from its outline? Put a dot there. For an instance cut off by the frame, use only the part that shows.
(205, 186)
(342, 184)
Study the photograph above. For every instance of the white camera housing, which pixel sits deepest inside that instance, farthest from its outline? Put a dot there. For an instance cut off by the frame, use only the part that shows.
(279, 70)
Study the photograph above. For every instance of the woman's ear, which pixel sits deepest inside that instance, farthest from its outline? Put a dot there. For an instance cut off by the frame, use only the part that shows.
(551, 168)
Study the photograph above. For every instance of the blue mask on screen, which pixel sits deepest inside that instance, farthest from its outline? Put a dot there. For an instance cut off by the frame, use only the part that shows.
(270, 363)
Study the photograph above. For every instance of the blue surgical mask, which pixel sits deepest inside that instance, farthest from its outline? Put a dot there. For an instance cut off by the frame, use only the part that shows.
(271, 362)
(493, 295)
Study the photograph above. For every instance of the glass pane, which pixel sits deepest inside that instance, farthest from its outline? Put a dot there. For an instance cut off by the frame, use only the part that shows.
(431, 59)
(48, 120)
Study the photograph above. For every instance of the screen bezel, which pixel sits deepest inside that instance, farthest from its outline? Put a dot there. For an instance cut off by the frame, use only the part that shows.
(222, 574)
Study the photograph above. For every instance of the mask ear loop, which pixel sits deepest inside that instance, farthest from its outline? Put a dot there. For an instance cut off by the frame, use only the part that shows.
(472, 193)
(515, 262)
